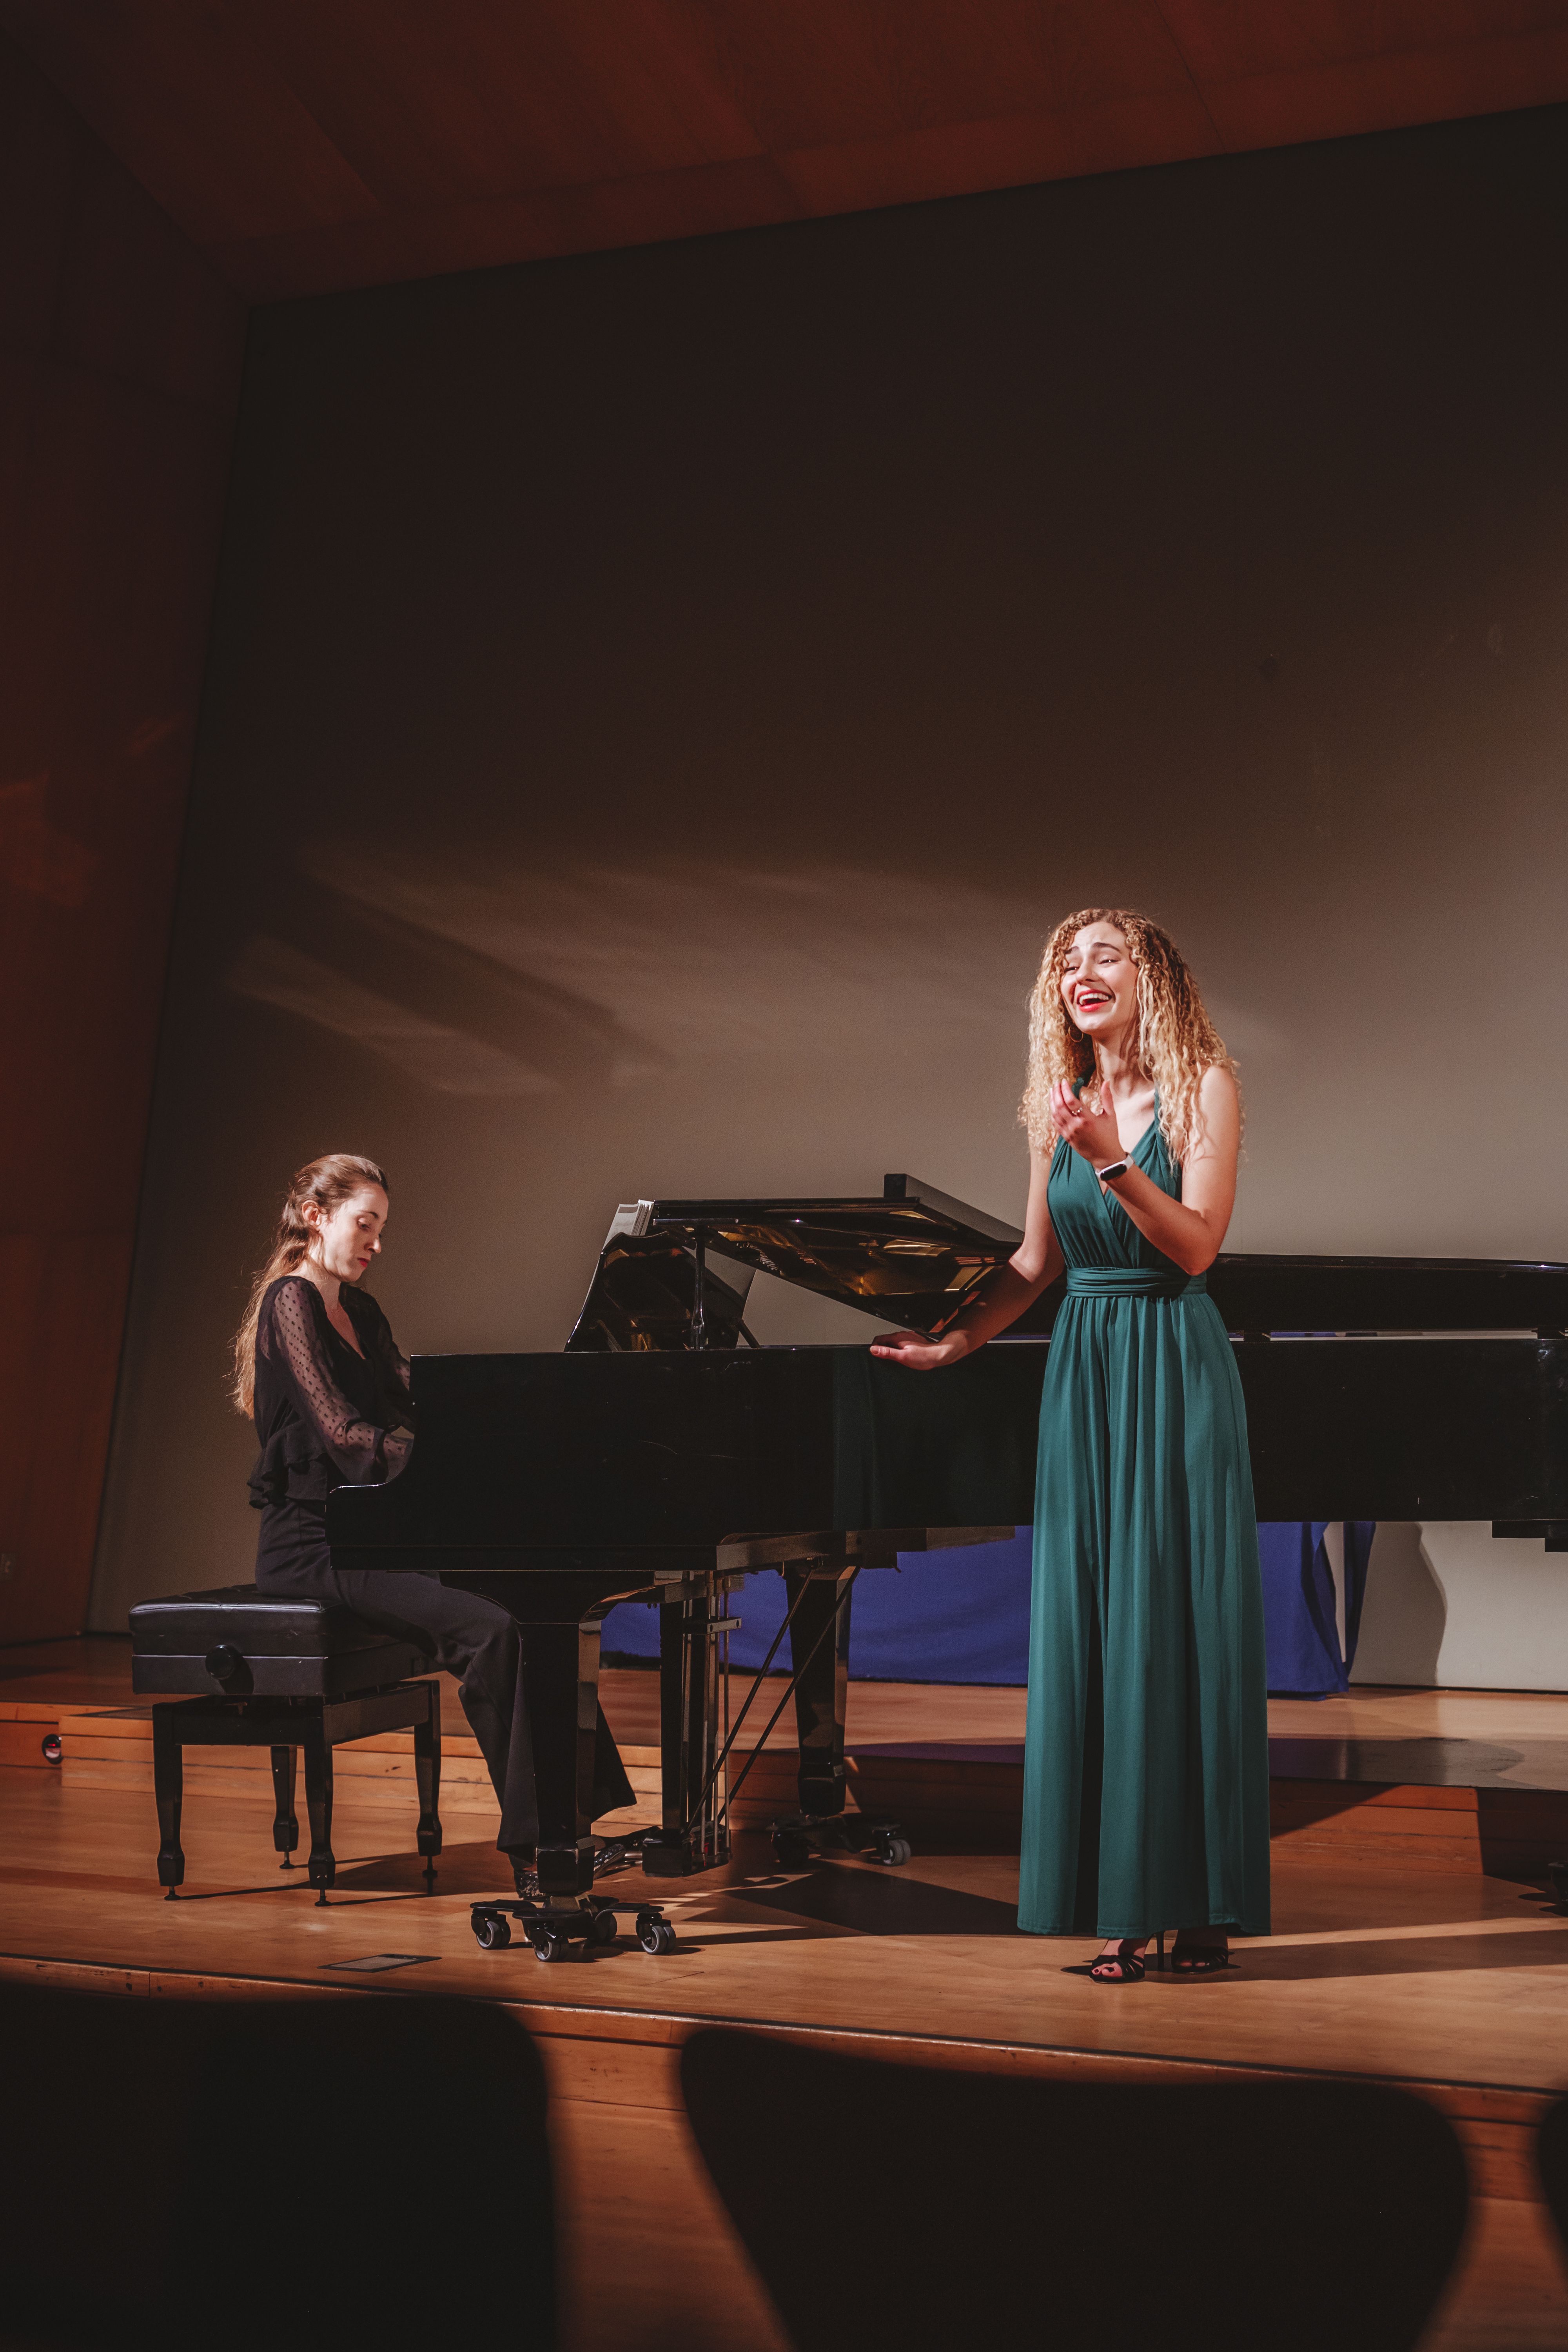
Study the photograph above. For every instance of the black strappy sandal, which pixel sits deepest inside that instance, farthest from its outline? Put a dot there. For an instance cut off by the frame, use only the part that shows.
(1128, 1965)
(1200, 1959)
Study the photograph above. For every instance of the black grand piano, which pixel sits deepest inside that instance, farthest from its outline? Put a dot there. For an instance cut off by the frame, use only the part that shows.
(664, 1454)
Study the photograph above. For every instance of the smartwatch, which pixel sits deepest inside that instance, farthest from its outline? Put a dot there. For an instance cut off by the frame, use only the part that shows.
(1117, 1168)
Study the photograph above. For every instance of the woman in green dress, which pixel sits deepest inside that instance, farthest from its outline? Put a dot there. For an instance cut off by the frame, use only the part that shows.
(1146, 1762)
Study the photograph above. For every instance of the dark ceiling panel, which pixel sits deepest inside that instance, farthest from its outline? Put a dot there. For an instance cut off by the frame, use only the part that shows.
(313, 144)
(1229, 43)
(207, 126)
(1336, 97)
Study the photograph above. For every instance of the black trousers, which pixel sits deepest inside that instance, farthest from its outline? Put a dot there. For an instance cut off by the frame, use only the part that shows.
(459, 1631)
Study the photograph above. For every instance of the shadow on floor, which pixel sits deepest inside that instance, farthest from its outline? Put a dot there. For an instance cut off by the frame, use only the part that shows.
(882, 1903)
(468, 1869)
(1399, 1956)
(1421, 1763)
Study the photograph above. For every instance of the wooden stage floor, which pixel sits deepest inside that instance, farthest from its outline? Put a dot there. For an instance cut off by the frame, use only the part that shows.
(1443, 1976)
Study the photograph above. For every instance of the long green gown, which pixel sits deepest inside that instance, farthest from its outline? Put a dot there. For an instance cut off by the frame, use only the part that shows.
(1146, 1762)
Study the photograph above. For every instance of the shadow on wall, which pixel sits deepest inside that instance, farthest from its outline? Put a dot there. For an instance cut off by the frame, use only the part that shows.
(482, 982)
(1405, 1613)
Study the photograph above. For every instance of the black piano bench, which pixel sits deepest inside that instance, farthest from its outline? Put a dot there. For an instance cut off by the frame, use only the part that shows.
(268, 1671)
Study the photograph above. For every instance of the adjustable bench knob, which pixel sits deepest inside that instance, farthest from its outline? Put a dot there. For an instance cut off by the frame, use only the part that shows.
(222, 1661)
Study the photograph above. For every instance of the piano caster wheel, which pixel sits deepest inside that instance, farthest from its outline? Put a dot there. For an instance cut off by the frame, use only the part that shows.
(893, 1851)
(656, 1936)
(604, 1929)
(791, 1851)
(548, 1943)
(494, 1933)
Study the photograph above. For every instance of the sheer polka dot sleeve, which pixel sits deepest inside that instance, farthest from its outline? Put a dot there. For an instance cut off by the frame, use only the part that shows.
(292, 1337)
(375, 1337)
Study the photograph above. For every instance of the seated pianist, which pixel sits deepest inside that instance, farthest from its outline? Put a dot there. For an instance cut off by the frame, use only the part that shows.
(317, 1369)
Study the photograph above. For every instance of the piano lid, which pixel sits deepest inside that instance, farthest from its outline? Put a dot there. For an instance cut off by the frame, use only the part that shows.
(911, 1257)
(914, 1257)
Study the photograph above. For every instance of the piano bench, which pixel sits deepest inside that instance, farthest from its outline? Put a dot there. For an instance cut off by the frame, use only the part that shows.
(266, 1669)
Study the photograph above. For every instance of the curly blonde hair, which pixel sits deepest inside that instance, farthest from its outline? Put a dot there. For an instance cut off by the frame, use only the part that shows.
(1177, 1042)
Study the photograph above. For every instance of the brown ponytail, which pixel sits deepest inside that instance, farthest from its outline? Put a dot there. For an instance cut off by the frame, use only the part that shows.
(329, 1181)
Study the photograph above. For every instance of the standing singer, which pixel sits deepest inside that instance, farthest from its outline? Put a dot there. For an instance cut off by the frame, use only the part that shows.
(1146, 1762)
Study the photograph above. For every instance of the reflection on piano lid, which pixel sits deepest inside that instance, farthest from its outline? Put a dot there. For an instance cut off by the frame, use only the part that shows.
(644, 1293)
(913, 1257)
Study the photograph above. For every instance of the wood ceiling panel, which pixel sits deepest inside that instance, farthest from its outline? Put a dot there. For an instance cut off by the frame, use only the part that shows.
(815, 74)
(312, 144)
(961, 159)
(353, 77)
(826, 74)
(440, 107)
(1232, 40)
(1036, 56)
(1333, 99)
(657, 68)
(213, 134)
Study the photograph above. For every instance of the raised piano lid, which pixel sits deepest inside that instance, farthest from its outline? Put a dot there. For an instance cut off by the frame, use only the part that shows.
(910, 1257)
(914, 1255)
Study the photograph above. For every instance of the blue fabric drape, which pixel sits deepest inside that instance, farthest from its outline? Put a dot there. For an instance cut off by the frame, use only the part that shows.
(959, 1616)
(1305, 1660)
(964, 1616)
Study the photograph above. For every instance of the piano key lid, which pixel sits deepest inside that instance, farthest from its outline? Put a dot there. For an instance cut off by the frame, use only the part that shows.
(675, 1274)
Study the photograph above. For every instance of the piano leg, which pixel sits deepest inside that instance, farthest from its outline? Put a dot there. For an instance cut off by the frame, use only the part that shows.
(168, 1788)
(321, 1864)
(673, 1719)
(823, 1687)
(427, 1778)
(561, 1680)
(285, 1822)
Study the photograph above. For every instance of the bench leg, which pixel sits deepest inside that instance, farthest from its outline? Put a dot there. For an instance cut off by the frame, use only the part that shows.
(168, 1788)
(428, 1773)
(322, 1868)
(285, 1825)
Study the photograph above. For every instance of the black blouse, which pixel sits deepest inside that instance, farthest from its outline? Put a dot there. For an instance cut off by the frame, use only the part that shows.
(325, 1416)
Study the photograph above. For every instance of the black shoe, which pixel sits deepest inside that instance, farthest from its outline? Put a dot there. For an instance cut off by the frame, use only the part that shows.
(524, 1876)
(1194, 1959)
(616, 1854)
(1124, 1966)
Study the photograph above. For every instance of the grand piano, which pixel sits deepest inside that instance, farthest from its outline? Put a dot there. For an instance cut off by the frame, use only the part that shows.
(664, 1454)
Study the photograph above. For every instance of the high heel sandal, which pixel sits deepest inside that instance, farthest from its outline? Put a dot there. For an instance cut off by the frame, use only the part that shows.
(1200, 1959)
(1126, 1963)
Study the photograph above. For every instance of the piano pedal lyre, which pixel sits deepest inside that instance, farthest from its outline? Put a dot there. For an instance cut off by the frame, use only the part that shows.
(694, 1647)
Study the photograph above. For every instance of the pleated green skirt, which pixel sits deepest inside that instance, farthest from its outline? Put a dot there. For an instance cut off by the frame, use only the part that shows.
(1146, 1780)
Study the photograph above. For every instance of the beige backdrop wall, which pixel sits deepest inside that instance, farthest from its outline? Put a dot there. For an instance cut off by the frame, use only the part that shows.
(660, 701)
